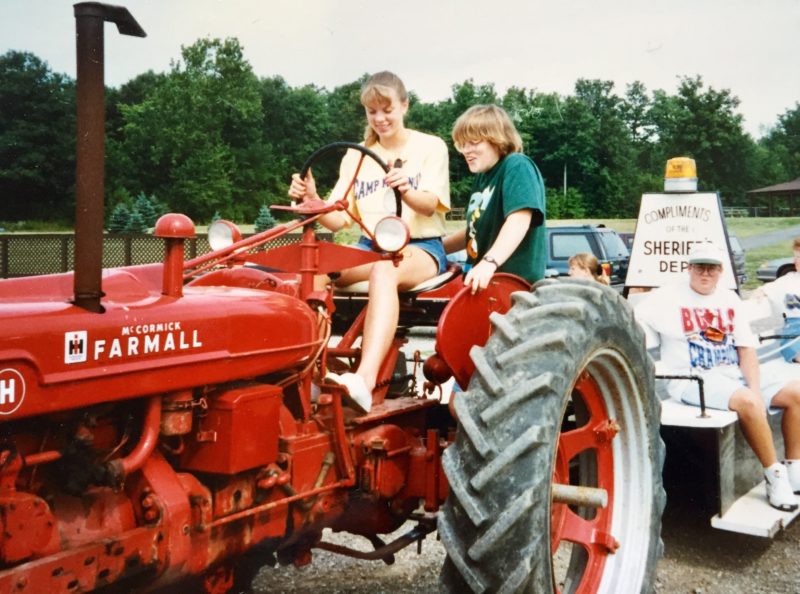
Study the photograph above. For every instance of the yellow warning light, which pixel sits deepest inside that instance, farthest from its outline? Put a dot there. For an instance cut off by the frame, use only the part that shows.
(681, 175)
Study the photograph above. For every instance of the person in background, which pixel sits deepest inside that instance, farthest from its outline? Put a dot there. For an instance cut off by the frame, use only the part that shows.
(704, 330)
(421, 175)
(586, 265)
(784, 297)
(506, 212)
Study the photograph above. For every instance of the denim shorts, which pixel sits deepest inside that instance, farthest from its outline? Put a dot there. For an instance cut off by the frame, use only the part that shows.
(433, 246)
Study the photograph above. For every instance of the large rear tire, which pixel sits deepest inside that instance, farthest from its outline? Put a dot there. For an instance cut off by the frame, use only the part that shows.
(562, 395)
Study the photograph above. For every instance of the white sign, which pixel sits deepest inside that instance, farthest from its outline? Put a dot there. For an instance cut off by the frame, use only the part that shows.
(667, 228)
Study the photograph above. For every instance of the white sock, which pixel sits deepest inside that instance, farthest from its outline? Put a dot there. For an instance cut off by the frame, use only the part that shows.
(773, 467)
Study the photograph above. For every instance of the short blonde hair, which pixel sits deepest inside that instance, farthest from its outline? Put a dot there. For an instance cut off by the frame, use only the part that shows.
(377, 91)
(490, 123)
(796, 244)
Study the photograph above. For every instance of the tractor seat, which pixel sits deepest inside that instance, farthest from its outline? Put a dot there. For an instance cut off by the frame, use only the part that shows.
(362, 287)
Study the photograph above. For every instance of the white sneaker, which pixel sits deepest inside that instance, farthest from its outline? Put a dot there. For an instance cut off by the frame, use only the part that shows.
(779, 491)
(793, 470)
(360, 396)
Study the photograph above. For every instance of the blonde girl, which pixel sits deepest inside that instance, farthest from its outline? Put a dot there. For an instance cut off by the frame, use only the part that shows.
(423, 183)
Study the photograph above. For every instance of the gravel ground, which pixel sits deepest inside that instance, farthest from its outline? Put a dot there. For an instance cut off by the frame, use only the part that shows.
(697, 560)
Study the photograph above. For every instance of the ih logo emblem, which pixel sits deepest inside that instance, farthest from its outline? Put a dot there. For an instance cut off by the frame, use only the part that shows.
(12, 391)
(75, 347)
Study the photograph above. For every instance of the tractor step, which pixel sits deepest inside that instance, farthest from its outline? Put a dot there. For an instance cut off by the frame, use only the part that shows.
(751, 514)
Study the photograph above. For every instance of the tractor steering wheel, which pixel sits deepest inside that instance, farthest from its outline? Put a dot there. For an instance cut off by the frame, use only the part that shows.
(335, 146)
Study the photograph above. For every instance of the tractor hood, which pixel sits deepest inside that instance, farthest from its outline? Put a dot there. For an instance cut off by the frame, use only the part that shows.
(56, 356)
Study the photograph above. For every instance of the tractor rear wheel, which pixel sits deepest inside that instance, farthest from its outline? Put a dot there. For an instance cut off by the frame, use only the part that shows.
(555, 473)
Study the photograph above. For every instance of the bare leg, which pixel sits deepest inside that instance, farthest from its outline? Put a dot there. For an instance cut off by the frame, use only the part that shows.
(788, 398)
(383, 309)
(753, 419)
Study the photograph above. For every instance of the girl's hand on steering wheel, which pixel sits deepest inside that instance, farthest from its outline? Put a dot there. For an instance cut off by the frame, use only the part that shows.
(303, 189)
(397, 179)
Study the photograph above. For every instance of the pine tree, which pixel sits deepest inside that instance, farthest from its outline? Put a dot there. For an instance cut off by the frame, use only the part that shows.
(136, 223)
(144, 206)
(265, 220)
(118, 221)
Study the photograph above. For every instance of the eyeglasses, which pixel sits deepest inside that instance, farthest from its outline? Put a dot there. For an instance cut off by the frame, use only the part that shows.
(709, 269)
(469, 145)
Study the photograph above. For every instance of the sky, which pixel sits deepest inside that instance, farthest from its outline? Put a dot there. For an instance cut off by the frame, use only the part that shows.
(751, 47)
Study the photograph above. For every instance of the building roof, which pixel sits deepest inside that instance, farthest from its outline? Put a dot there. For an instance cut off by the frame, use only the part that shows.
(790, 187)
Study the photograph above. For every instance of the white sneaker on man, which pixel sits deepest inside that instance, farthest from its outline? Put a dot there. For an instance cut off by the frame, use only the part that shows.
(793, 470)
(360, 395)
(779, 491)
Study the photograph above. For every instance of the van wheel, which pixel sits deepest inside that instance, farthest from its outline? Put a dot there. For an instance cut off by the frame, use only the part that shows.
(555, 473)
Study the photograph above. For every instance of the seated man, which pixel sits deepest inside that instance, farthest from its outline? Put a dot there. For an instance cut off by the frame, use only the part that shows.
(784, 296)
(703, 330)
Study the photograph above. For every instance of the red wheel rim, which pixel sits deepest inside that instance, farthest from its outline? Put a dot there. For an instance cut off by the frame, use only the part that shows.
(593, 439)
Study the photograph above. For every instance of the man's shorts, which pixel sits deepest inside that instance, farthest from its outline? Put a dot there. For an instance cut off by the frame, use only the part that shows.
(720, 383)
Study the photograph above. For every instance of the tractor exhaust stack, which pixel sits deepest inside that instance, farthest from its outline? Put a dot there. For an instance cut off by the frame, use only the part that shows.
(90, 157)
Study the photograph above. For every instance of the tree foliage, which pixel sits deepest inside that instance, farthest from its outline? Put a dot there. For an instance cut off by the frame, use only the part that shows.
(264, 220)
(782, 145)
(211, 139)
(37, 139)
(195, 137)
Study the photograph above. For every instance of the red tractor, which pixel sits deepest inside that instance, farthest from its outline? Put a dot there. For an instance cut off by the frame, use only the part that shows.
(162, 422)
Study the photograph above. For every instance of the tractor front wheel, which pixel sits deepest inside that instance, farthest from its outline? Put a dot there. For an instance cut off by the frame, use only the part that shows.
(555, 473)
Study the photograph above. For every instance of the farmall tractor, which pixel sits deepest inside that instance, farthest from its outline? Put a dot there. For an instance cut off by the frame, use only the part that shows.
(172, 422)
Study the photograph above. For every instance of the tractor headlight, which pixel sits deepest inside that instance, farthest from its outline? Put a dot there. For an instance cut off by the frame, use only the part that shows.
(222, 234)
(391, 234)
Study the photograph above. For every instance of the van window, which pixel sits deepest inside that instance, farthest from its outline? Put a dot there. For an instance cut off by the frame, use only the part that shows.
(564, 245)
(614, 246)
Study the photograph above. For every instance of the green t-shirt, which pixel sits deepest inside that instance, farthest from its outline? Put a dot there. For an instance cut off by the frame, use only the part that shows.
(512, 184)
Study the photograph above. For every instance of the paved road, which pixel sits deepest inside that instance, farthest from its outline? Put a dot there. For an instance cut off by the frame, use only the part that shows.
(757, 241)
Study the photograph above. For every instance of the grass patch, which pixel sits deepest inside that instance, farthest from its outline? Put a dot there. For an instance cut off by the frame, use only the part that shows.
(756, 257)
(745, 227)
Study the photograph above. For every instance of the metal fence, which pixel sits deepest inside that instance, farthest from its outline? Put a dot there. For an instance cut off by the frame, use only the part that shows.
(28, 254)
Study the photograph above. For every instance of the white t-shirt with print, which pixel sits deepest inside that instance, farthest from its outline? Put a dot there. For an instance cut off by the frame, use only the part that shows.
(425, 159)
(784, 294)
(696, 332)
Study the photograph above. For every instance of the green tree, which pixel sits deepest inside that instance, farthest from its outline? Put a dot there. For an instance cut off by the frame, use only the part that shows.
(569, 205)
(145, 207)
(345, 111)
(265, 220)
(703, 124)
(196, 136)
(782, 163)
(136, 223)
(118, 221)
(296, 123)
(37, 139)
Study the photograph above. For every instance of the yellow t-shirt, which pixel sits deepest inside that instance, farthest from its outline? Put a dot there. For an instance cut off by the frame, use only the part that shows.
(424, 159)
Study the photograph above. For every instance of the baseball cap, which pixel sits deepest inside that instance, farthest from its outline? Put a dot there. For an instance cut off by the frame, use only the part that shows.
(706, 253)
